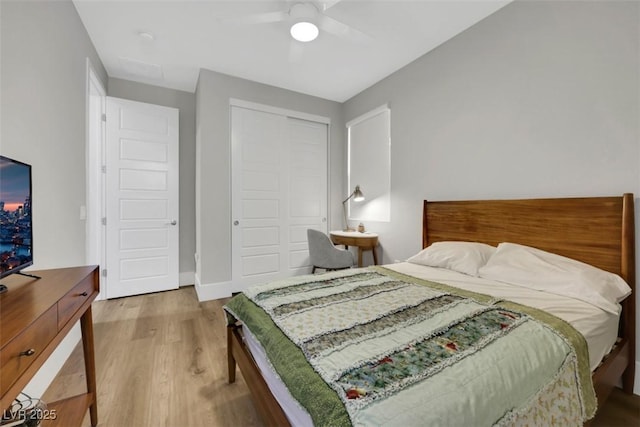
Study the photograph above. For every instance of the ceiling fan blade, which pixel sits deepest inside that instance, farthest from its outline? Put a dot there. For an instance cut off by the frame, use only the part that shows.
(327, 4)
(296, 49)
(340, 29)
(260, 18)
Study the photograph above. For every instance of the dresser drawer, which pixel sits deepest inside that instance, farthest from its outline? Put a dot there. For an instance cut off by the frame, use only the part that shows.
(71, 302)
(19, 353)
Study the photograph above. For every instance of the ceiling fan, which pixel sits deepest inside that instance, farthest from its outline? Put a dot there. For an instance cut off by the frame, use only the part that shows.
(307, 19)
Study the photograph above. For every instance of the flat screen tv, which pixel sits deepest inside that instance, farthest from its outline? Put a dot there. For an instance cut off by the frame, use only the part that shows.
(16, 221)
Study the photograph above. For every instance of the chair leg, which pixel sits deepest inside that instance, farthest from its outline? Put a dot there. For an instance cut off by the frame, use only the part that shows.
(313, 271)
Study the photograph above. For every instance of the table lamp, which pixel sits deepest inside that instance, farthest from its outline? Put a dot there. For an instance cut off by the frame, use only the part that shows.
(357, 197)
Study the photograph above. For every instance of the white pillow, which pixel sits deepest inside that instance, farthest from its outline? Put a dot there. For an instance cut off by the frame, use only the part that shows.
(463, 257)
(544, 271)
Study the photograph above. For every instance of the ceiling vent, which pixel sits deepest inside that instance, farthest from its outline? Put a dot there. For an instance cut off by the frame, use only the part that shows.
(135, 68)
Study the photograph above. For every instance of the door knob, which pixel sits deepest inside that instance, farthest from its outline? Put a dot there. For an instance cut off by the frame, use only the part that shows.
(173, 222)
(236, 222)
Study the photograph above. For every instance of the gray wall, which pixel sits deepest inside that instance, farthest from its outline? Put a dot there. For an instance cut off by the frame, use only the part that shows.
(213, 175)
(539, 99)
(44, 49)
(186, 102)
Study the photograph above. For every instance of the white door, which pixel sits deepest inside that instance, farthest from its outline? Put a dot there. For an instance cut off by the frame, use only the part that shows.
(279, 189)
(142, 198)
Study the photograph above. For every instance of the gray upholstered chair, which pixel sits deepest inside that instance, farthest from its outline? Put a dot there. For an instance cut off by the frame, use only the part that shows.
(325, 255)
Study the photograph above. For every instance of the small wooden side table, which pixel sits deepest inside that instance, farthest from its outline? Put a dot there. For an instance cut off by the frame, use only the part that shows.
(364, 241)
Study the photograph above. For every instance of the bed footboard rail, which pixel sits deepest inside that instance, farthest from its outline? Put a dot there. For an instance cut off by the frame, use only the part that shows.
(238, 353)
(231, 361)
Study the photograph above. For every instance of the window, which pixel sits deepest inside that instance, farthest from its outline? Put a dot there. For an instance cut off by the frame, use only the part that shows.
(369, 164)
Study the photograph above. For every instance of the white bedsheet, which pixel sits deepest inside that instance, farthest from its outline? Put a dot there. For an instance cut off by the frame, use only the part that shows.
(599, 328)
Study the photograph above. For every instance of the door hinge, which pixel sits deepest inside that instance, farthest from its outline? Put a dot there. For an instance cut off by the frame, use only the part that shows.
(104, 273)
(104, 117)
(104, 169)
(104, 221)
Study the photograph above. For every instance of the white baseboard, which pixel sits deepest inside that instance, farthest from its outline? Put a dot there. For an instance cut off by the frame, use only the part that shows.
(636, 382)
(187, 278)
(209, 291)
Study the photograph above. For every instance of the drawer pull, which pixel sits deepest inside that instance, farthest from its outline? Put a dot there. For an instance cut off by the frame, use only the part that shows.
(29, 352)
(84, 294)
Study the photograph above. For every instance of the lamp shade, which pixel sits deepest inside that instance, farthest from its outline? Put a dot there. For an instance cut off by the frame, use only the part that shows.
(357, 194)
(357, 197)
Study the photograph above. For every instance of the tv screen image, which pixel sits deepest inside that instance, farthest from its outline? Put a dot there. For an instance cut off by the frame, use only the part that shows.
(16, 224)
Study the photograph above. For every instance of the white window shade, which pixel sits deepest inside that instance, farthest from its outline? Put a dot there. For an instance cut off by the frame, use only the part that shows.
(369, 165)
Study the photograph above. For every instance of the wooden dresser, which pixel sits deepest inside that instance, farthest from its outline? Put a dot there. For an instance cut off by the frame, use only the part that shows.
(35, 316)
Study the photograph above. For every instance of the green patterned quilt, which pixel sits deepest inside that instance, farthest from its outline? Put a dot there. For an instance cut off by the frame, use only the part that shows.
(375, 347)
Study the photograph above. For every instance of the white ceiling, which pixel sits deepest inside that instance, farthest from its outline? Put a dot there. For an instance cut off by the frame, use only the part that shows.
(219, 35)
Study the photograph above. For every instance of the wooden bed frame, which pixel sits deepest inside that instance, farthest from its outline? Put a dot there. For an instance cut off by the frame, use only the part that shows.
(596, 230)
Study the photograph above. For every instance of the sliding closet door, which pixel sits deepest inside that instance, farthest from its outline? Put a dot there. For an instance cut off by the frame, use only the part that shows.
(279, 189)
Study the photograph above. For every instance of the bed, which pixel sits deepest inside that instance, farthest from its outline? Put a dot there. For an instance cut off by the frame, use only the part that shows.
(598, 231)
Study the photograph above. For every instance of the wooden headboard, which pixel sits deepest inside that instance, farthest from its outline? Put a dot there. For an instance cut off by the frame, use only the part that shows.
(596, 230)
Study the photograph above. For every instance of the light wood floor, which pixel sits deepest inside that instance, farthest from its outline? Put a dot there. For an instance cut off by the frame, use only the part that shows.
(161, 361)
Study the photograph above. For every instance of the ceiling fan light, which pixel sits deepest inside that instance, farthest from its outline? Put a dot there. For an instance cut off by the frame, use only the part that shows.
(304, 31)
